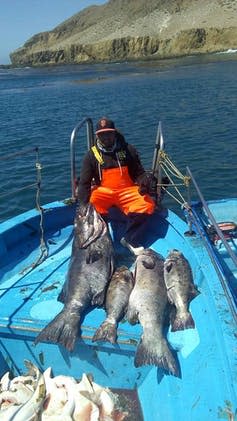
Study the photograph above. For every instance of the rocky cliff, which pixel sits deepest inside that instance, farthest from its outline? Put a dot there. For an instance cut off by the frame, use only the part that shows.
(135, 29)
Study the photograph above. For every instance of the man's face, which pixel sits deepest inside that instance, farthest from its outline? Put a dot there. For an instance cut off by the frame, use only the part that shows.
(107, 139)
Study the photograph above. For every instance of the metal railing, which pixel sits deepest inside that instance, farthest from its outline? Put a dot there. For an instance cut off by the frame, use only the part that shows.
(212, 219)
(230, 295)
(87, 122)
(156, 169)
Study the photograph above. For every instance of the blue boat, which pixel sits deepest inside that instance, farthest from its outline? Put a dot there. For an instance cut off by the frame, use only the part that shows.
(216, 222)
(35, 249)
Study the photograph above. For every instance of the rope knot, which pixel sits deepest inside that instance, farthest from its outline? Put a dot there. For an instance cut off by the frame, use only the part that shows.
(38, 166)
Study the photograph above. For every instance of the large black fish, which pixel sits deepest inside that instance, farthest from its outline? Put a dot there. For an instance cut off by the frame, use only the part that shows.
(116, 303)
(90, 269)
(147, 304)
(180, 289)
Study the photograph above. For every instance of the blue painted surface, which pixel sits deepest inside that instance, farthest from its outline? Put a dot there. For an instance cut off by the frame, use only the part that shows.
(208, 363)
(223, 211)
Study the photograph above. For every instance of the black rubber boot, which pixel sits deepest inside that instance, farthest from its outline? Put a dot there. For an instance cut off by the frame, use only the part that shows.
(133, 233)
(105, 217)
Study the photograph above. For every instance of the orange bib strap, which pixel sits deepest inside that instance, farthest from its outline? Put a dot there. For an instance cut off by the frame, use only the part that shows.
(116, 178)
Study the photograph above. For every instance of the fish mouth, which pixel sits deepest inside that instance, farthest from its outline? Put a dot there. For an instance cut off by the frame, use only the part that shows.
(175, 253)
(169, 260)
(84, 210)
(100, 227)
(93, 223)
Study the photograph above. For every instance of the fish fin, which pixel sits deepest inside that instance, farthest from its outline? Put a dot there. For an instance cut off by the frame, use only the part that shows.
(182, 322)
(156, 352)
(98, 299)
(46, 401)
(131, 315)
(133, 320)
(193, 293)
(61, 296)
(63, 329)
(169, 314)
(106, 332)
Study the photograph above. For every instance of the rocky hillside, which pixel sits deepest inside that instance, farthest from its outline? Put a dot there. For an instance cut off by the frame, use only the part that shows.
(135, 29)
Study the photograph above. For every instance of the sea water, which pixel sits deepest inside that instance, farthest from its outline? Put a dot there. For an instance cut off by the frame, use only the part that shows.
(195, 98)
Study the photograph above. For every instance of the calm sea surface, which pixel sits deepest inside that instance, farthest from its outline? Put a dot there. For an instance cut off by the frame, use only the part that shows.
(194, 98)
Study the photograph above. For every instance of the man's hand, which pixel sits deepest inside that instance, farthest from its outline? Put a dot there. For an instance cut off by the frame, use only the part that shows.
(144, 184)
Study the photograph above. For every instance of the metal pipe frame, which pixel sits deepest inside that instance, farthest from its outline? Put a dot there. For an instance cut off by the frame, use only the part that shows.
(90, 141)
(156, 170)
(212, 219)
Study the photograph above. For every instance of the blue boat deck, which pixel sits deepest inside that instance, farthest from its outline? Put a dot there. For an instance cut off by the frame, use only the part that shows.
(223, 211)
(219, 210)
(28, 299)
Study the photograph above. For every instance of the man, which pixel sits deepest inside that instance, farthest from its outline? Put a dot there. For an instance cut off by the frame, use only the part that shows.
(119, 179)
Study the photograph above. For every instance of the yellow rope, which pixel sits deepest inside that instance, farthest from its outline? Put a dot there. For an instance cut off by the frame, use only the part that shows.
(171, 170)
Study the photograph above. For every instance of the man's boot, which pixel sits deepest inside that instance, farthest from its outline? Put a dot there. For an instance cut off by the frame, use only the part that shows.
(134, 229)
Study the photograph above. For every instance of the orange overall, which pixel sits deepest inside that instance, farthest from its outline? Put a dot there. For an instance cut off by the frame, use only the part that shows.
(117, 189)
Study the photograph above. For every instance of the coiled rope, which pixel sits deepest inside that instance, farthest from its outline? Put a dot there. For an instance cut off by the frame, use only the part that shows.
(171, 171)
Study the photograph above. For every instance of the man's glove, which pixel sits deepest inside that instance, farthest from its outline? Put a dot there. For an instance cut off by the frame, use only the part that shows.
(144, 184)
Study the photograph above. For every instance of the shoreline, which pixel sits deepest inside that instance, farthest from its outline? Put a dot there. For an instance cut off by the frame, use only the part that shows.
(199, 57)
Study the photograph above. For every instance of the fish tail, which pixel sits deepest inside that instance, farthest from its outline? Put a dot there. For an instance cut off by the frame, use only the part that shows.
(158, 353)
(182, 322)
(63, 329)
(106, 332)
(193, 292)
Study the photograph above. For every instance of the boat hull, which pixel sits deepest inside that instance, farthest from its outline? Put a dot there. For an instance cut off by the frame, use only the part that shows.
(207, 386)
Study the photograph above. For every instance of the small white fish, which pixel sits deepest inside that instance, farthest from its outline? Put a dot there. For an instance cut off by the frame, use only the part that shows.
(27, 380)
(69, 384)
(19, 394)
(102, 399)
(59, 398)
(34, 406)
(7, 414)
(59, 403)
(85, 409)
(5, 382)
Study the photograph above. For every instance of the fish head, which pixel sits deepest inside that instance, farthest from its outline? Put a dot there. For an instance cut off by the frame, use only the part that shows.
(168, 266)
(172, 260)
(148, 259)
(174, 254)
(177, 269)
(145, 259)
(84, 214)
(88, 225)
(124, 276)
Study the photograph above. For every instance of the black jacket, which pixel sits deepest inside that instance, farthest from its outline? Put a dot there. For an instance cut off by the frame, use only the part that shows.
(123, 155)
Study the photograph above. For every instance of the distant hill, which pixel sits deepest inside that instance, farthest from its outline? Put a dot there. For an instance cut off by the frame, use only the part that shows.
(135, 29)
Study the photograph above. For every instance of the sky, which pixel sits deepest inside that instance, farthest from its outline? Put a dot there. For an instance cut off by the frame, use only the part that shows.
(21, 19)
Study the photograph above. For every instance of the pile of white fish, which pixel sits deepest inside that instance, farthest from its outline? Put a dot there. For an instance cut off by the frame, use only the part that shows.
(39, 396)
